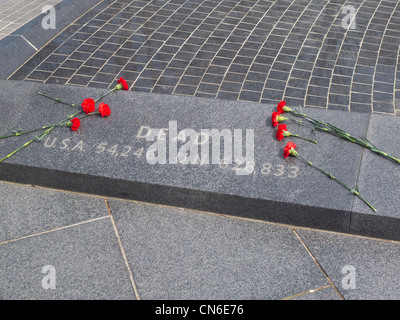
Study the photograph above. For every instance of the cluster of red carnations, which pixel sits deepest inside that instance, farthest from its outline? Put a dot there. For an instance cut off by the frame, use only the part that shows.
(72, 121)
(282, 131)
(290, 148)
(89, 106)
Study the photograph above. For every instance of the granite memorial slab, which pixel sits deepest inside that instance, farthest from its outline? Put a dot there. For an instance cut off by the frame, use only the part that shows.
(13, 98)
(219, 156)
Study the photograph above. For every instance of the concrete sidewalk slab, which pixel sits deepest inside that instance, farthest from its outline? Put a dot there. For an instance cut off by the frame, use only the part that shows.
(361, 268)
(171, 253)
(27, 211)
(181, 254)
(87, 263)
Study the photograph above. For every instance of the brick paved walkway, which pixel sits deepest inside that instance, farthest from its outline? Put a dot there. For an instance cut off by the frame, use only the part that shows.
(261, 51)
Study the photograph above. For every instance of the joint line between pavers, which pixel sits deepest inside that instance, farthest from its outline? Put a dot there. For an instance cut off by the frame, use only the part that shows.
(395, 80)
(317, 263)
(30, 43)
(135, 289)
(306, 292)
(51, 230)
(359, 170)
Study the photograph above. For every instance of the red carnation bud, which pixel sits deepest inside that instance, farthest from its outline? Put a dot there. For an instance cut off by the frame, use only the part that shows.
(273, 118)
(276, 118)
(122, 84)
(282, 107)
(75, 123)
(88, 105)
(280, 134)
(104, 110)
(290, 150)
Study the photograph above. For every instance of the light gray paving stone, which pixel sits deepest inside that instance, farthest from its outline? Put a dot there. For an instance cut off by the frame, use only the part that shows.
(28, 210)
(87, 262)
(183, 254)
(374, 264)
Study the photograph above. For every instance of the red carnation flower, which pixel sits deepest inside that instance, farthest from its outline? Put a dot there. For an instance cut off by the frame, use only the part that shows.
(75, 123)
(280, 106)
(104, 110)
(281, 130)
(290, 150)
(88, 105)
(273, 118)
(122, 84)
(276, 118)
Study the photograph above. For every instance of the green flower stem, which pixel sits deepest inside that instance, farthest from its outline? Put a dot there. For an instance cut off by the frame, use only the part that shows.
(17, 134)
(39, 138)
(89, 114)
(299, 122)
(371, 147)
(384, 154)
(15, 151)
(333, 130)
(362, 142)
(330, 176)
(57, 100)
(107, 93)
(300, 137)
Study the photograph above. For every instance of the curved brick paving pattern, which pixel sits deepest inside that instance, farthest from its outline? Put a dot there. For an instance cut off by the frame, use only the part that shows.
(262, 51)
